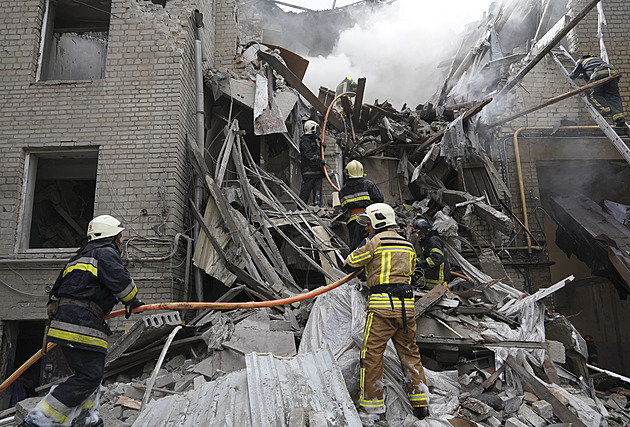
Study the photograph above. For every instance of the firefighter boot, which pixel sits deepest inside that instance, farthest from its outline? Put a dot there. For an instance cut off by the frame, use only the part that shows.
(366, 418)
(421, 412)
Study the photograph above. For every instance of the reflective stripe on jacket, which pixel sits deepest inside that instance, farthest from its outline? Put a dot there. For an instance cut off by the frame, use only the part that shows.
(95, 274)
(358, 193)
(388, 258)
(433, 260)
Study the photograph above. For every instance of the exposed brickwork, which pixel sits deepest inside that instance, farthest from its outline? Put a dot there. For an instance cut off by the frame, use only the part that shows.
(139, 118)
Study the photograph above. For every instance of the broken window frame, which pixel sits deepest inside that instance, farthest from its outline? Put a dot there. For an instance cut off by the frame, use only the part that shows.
(46, 64)
(27, 205)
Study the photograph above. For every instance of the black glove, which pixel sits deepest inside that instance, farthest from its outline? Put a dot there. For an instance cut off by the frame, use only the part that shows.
(133, 303)
(421, 412)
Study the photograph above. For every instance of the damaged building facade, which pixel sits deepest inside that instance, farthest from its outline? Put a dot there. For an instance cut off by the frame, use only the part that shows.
(124, 138)
(98, 105)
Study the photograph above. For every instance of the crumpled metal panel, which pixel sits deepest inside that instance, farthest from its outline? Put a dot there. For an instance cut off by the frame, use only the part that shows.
(223, 402)
(595, 237)
(264, 394)
(312, 381)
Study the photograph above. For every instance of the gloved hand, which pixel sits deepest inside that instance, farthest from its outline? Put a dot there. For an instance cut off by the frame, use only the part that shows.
(421, 412)
(135, 302)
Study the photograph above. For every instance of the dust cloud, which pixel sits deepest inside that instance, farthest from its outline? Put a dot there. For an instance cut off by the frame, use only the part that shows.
(403, 50)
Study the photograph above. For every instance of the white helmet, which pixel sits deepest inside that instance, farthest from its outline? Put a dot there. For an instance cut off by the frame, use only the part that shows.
(310, 127)
(103, 226)
(355, 169)
(381, 215)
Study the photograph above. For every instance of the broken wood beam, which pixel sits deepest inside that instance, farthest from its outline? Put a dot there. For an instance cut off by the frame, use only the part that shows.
(358, 101)
(415, 155)
(233, 268)
(429, 300)
(543, 393)
(296, 83)
(551, 101)
(544, 51)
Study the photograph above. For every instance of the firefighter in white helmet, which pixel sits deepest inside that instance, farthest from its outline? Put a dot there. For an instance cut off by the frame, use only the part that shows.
(311, 164)
(356, 193)
(389, 261)
(87, 289)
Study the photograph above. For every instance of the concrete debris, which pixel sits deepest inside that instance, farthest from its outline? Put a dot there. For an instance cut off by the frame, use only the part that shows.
(494, 353)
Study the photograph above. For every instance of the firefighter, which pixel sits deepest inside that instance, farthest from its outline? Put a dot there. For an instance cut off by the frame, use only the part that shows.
(87, 289)
(311, 164)
(432, 266)
(346, 85)
(605, 97)
(389, 261)
(357, 193)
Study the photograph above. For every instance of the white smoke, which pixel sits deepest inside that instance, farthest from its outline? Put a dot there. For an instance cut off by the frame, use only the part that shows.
(398, 50)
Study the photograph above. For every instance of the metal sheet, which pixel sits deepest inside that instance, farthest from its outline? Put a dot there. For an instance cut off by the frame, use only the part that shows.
(222, 402)
(312, 381)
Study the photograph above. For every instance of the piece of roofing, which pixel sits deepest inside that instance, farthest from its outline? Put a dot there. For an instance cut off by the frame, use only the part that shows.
(264, 394)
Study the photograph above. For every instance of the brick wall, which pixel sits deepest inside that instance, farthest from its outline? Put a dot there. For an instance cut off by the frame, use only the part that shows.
(139, 118)
(545, 81)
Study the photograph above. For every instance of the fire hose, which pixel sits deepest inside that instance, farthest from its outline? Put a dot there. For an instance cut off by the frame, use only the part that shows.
(191, 306)
(324, 130)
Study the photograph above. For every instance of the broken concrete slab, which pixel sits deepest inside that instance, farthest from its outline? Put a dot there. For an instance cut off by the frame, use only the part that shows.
(145, 331)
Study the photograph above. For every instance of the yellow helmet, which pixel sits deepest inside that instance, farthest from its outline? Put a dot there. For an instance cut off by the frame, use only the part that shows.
(381, 215)
(103, 226)
(355, 169)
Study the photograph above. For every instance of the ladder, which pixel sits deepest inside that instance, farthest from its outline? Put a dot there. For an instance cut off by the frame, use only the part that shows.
(608, 130)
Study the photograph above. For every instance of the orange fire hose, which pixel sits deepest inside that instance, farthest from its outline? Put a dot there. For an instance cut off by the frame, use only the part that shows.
(454, 274)
(191, 305)
(324, 130)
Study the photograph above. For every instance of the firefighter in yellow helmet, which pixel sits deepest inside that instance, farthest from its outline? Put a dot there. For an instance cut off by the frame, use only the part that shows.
(87, 289)
(356, 193)
(389, 262)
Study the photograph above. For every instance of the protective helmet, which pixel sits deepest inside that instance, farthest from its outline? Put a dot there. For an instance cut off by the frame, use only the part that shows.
(381, 215)
(421, 224)
(354, 169)
(310, 127)
(103, 226)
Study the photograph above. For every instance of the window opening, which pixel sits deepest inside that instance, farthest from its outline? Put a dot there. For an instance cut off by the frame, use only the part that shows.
(60, 193)
(74, 35)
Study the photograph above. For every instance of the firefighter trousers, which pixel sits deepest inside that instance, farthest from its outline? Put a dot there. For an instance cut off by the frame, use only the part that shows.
(77, 396)
(314, 185)
(378, 331)
(606, 98)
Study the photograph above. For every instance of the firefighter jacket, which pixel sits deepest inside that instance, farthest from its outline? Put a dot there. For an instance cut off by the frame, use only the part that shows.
(389, 259)
(357, 194)
(88, 288)
(592, 69)
(310, 157)
(433, 260)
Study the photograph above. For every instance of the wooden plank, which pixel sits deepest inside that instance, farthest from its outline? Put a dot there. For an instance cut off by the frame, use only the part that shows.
(544, 51)
(429, 300)
(233, 268)
(561, 411)
(296, 83)
(358, 102)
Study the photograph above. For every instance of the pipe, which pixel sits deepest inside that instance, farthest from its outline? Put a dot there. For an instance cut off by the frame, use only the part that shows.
(517, 157)
(198, 20)
(324, 130)
(193, 306)
(156, 369)
(201, 144)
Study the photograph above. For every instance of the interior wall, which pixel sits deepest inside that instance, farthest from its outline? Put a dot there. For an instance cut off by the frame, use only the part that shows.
(591, 303)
